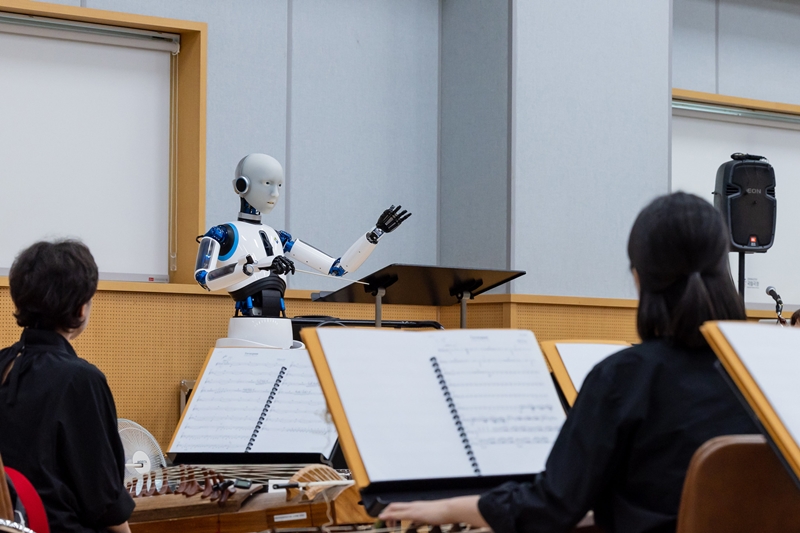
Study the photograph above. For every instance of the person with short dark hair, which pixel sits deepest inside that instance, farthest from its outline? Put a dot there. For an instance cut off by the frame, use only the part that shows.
(58, 420)
(642, 412)
(795, 320)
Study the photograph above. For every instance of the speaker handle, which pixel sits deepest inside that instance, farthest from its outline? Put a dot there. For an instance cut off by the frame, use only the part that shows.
(738, 156)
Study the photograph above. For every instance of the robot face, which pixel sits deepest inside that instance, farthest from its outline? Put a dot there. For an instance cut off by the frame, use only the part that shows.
(259, 180)
(264, 192)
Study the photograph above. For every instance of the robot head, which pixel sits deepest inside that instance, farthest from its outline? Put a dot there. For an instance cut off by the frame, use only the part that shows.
(259, 180)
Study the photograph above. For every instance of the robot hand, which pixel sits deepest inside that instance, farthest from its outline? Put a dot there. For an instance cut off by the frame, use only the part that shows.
(391, 219)
(280, 265)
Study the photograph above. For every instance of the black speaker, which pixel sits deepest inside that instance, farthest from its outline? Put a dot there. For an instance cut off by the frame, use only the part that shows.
(745, 194)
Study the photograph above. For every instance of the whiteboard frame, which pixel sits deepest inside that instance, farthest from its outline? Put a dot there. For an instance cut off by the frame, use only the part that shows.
(188, 196)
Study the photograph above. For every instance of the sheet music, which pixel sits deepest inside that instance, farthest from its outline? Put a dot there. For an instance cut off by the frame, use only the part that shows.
(772, 356)
(231, 395)
(297, 420)
(580, 358)
(399, 416)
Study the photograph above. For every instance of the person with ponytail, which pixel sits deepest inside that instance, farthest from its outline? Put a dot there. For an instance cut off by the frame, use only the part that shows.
(642, 412)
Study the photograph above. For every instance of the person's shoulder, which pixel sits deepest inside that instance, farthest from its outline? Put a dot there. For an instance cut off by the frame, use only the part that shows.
(82, 372)
(635, 360)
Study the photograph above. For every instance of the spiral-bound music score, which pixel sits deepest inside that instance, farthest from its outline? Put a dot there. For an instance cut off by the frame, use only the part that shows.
(255, 401)
(437, 404)
(265, 411)
(456, 418)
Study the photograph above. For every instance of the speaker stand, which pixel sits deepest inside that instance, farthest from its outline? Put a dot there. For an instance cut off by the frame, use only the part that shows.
(741, 275)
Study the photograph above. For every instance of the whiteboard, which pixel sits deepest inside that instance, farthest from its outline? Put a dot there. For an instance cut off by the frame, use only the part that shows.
(84, 151)
(701, 142)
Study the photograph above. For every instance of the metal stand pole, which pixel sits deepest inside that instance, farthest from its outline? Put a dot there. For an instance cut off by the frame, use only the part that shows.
(463, 297)
(741, 275)
(380, 293)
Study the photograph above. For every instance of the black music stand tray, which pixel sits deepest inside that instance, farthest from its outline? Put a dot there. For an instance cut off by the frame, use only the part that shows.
(420, 285)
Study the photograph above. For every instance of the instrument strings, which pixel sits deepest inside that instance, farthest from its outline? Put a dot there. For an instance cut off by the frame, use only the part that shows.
(176, 474)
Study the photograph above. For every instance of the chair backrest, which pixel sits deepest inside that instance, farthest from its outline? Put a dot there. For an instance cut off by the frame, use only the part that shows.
(37, 517)
(737, 484)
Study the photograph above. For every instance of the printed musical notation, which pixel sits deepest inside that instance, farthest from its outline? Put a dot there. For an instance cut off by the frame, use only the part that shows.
(505, 403)
(491, 408)
(298, 418)
(232, 406)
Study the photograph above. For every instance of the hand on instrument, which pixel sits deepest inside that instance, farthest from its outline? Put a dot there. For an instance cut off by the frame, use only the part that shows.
(450, 511)
(391, 219)
(282, 265)
(121, 528)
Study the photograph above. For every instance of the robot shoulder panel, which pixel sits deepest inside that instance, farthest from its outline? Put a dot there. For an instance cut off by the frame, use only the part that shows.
(227, 235)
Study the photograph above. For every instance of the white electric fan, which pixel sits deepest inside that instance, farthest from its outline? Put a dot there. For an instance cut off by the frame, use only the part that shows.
(142, 453)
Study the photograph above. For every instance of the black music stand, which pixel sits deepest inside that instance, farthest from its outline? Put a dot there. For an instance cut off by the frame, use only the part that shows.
(420, 285)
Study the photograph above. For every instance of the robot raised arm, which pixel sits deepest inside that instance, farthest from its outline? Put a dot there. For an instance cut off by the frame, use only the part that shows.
(354, 257)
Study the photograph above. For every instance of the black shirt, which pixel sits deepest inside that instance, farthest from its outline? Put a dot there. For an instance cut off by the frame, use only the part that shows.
(625, 446)
(59, 428)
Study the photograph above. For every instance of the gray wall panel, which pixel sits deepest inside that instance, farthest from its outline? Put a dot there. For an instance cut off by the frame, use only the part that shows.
(759, 42)
(591, 139)
(694, 59)
(246, 86)
(474, 133)
(363, 113)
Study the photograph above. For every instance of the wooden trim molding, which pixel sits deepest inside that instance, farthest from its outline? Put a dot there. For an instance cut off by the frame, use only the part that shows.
(553, 300)
(191, 113)
(734, 101)
(508, 302)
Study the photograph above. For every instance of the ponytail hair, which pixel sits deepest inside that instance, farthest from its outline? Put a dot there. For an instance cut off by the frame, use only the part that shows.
(678, 247)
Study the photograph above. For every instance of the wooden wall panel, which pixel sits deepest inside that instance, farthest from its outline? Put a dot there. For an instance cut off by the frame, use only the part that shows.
(554, 322)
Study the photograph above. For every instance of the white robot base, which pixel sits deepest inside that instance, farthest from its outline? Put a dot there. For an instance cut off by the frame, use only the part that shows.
(259, 332)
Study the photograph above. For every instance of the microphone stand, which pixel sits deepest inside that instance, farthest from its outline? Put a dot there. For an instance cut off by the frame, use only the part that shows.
(778, 311)
(778, 305)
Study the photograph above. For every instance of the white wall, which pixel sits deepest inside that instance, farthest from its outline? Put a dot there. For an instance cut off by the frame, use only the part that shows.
(694, 45)
(591, 139)
(343, 93)
(363, 115)
(745, 48)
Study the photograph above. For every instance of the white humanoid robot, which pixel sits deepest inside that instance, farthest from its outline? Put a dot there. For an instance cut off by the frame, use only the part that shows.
(251, 260)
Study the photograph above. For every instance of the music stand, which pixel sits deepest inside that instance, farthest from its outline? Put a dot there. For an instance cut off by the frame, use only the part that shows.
(420, 285)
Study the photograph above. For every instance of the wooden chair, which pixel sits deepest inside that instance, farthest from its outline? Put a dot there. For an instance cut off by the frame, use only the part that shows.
(6, 509)
(737, 484)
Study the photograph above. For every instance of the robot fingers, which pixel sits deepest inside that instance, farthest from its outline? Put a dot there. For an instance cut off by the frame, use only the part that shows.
(282, 265)
(391, 218)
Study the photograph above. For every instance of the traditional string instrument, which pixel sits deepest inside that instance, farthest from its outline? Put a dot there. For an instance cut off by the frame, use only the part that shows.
(229, 498)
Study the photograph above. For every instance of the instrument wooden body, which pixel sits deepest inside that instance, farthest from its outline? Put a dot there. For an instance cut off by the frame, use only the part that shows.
(257, 513)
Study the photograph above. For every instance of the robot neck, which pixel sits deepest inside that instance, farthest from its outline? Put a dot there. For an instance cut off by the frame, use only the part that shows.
(248, 213)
